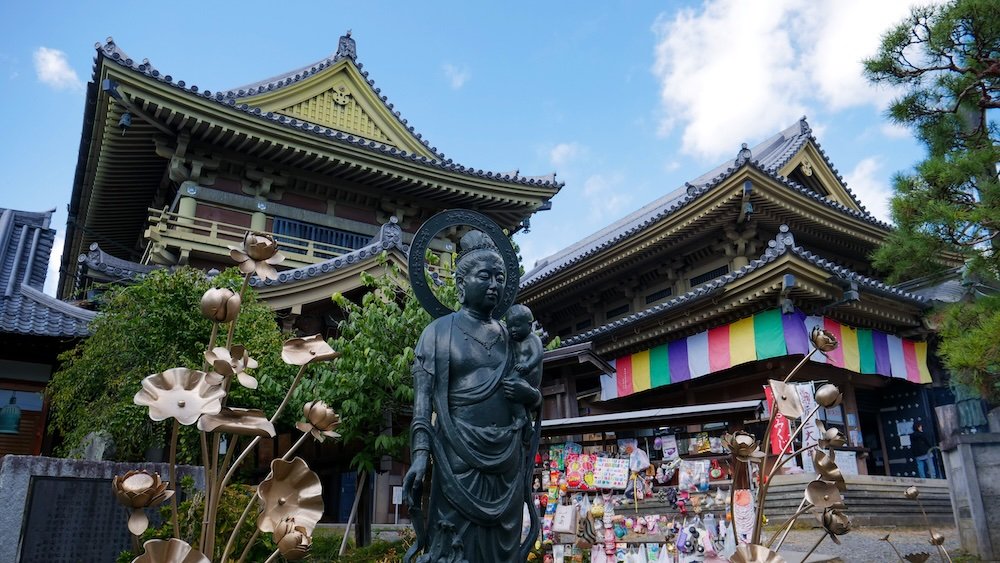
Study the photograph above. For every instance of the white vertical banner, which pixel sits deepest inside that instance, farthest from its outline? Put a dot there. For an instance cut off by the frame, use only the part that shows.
(810, 433)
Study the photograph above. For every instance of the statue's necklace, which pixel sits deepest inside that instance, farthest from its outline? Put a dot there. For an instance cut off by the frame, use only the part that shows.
(488, 345)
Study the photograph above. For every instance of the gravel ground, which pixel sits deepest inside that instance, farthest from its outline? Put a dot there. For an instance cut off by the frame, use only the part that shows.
(865, 545)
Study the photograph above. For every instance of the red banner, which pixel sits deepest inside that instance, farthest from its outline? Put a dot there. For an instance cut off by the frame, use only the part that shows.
(781, 432)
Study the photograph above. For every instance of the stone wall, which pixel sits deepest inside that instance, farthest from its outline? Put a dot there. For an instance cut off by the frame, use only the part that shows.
(973, 465)
(72, 511)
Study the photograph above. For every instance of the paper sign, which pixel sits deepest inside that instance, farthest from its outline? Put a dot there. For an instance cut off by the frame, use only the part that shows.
(397, 495)
(610, 473)
(810, 434)
(781, 432)
(670, 448)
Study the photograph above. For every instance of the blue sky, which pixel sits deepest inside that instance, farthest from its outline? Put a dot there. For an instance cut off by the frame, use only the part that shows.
(624, 100)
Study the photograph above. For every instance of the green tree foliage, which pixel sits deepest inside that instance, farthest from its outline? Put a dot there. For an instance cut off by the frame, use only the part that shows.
(146, 328)
(946, 59)
(370, 384)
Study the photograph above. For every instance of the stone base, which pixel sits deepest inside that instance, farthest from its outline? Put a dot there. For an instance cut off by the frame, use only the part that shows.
(973, 465)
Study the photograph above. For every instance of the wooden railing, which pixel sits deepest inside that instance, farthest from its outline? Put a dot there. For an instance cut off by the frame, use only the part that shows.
(172, 231)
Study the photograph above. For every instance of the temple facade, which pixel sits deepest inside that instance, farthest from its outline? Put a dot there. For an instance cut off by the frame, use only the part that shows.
(705, 294)
(172, 174)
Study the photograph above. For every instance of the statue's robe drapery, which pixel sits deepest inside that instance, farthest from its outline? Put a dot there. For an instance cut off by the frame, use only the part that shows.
(478, 480)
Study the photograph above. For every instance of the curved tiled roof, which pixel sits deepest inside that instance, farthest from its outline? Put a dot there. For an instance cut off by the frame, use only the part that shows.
(25, 246)
(98, 260)
(390, 236)
(229, 99)
(29, 311)
(769, 156)
(783, 243)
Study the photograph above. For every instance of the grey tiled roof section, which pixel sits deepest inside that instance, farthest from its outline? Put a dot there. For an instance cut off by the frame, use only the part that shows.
(784, 242)
(768, 157)
(389, 237)
(29, 311)
(120, 270)
(111, 51)
(25, 246)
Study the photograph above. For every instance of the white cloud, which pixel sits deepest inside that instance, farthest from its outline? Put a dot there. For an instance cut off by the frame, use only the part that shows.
(895, 131)
(457, 76)
(563, 153)
(606, 196)
(53, 69)
(52, 276)
(731, 71)
(870, 184)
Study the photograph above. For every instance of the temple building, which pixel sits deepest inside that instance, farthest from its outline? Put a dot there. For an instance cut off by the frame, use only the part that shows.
(170, 173)
(34, 329)
(702, 296)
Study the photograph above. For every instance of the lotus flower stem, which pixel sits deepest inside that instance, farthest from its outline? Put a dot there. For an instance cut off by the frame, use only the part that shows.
(173, 477)
(815, 545)
(232, 325)
(246, 451)
(942, 552)
(236, 529)
(798, 366)
(250, 542)
(759, 517)
(208, 491)
(273, 557)
(211, 345)
(898, 554)
(295, 446)
(787, 524)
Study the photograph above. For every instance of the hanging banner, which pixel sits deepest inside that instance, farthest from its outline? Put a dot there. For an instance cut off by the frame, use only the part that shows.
(781, 432)
(768, 334)
(810, 434)
(670, 452)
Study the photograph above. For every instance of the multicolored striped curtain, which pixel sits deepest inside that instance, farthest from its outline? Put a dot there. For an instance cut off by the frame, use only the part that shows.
(768, 334)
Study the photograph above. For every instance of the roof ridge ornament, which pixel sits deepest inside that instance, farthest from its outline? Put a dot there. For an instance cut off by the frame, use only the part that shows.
(804, 126)
(744, 155)
(347, 48)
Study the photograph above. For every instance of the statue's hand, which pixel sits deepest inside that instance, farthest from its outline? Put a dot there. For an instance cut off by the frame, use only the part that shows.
(413, 483)
(518, 390)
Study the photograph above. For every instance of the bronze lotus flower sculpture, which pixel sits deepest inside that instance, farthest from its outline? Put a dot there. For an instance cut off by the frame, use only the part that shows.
(294, 542)
(302, 351)
(744, 446)
(221, 305)
(823, 340)
(919, 557)
(170, 551)
(828, 469)
(786, 397)
(179, 393)
(137, 490)
(823, 494)
(290, 490)
(244, 422)
(829, 437)
(750, 553)
(835, 522)
(235, 363)
(829, 396)
(321, 420)
(258, 254)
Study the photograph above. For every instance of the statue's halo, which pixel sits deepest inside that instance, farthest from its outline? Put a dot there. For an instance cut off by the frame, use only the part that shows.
(458, 218)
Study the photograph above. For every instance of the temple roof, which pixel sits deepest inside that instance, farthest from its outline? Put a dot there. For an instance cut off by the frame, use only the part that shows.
(783, 244)
(236, 99)
(768, 157)
(25, 245)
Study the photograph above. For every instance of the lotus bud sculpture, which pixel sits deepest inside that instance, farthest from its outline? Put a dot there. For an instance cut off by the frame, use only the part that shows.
(137, 490)
(320, 420)
(221, 305)
(258, 254)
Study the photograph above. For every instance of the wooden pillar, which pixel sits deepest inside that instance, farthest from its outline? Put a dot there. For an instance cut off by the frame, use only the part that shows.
(258, 222)
(186, 209)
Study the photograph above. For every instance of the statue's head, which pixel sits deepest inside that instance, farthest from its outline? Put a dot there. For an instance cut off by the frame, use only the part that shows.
(479, 272)
(519, 320)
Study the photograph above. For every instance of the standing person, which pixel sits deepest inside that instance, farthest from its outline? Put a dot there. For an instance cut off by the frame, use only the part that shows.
(921, 452)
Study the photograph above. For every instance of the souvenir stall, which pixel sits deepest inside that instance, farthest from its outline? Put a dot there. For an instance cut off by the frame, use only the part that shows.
(642, 486)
